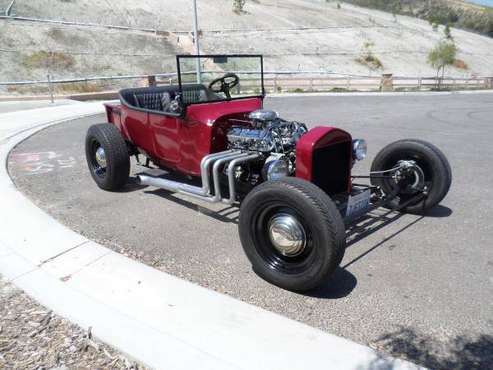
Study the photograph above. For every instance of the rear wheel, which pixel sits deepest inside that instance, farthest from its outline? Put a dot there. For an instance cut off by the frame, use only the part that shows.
(421, 169)
(292, 233)
(107, 156)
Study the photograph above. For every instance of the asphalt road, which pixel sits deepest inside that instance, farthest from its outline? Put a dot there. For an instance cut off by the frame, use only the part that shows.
(421, 288)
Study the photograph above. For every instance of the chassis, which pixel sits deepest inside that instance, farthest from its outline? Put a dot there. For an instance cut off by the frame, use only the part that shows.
(295, 188)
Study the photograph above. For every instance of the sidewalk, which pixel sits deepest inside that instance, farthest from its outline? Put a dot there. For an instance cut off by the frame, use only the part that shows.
(157, 319)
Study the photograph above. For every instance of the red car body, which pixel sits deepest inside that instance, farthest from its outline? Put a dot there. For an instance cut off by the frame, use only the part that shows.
(180, 143)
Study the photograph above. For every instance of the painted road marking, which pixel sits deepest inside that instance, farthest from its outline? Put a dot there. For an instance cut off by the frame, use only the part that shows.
(37, 163)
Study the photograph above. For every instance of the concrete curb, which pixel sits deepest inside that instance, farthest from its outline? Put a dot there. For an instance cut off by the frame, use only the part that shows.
(156, 318)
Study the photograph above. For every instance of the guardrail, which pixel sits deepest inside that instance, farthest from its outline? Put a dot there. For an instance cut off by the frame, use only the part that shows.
(369, 83)
(274, 81)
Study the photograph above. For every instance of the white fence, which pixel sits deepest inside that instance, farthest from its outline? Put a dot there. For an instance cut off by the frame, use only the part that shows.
(274, 81)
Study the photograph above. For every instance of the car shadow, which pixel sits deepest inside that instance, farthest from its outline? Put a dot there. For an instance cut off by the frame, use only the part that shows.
(340, 285)
(131, 186)
(462, 352)
(439, 211)
(383, 241)
(374, 221)
(369, 224)
(228, 214)
(342, 282)
(366, 226)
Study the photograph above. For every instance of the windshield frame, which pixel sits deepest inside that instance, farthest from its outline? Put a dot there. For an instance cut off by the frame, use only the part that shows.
(204, 56)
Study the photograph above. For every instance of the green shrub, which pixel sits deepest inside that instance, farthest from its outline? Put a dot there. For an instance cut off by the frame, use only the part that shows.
(238, 6)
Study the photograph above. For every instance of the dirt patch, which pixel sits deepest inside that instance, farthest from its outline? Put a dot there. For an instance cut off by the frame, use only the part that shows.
(46, 59)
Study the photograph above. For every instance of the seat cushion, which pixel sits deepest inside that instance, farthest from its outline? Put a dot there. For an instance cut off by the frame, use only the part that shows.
(159, 98)
(150, 101)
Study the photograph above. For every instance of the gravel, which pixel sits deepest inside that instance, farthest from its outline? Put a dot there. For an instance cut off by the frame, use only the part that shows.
(33, 337)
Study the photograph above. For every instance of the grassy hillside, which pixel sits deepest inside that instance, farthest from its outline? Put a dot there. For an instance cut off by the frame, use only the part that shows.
(456, 13)
(305, 35)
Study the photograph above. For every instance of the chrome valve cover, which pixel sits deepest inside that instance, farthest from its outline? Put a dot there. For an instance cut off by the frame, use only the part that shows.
(263, 115)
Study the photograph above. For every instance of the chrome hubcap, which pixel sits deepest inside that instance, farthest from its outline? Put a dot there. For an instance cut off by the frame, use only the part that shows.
(287, 234)
(101, 157)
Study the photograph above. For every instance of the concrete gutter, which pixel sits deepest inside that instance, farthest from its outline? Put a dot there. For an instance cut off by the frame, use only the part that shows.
(157, 319)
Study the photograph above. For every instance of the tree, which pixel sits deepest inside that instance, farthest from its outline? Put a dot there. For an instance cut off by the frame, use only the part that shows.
(448, 32)
(441, 56)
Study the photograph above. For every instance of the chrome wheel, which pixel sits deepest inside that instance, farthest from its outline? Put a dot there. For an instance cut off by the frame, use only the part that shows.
(287, 235)
(101, 157)
(97, 161)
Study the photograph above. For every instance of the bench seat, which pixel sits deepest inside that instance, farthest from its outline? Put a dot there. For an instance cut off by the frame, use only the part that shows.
(159, 98)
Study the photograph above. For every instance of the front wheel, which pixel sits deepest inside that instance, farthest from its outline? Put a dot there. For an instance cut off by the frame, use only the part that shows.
(292, 233)
(412, 169)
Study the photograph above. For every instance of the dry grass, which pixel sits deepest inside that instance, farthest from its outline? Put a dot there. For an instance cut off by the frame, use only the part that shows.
(79, 87)
(58, 89)
(46, 59)
(28, 89)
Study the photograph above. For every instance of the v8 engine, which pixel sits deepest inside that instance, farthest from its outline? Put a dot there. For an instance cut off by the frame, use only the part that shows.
(266, 133)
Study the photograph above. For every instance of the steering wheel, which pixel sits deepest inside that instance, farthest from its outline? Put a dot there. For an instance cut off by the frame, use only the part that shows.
(224, 84)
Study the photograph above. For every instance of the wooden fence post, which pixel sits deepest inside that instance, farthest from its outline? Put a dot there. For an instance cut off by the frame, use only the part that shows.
(489, 83)
(50, 89)
(151, 81)
(387, 82)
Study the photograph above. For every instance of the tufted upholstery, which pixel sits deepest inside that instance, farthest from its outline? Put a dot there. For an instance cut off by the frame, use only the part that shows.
(151, 101)
(159, 98)
(194, 96)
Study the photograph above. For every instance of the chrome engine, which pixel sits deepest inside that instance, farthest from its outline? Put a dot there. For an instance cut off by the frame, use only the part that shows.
(266, 133)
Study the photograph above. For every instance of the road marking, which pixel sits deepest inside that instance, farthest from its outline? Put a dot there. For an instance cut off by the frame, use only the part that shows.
(37, 163)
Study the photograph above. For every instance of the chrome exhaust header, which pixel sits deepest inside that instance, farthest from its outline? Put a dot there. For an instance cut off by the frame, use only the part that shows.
(216, 160)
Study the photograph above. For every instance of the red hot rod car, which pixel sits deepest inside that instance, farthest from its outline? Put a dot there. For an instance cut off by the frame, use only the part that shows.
(294, 185)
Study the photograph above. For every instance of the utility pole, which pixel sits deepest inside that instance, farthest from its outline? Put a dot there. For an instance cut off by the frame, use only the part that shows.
(8, 10)
(196, 40)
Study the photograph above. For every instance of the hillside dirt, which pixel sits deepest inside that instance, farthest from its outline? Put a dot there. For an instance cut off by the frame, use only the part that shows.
(292, 35)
